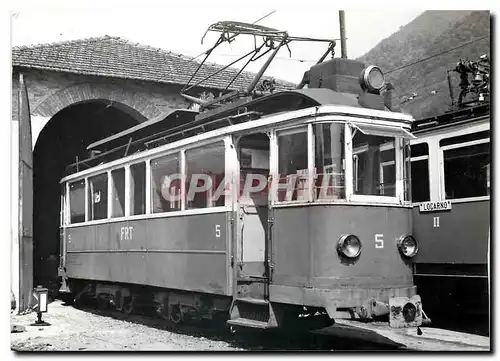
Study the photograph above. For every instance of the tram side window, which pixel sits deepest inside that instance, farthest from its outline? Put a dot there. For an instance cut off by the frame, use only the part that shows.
(166, 184)
(329, 182)
(420, 172)
(467, 171)
(292, 165)
(205, 170)
(374, 164)
(254, 168)
(118, 192)
(77, 201)
(98, 197)
(138, 188)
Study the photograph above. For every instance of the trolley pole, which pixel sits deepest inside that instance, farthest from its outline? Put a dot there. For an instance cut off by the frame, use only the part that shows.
(343, 46)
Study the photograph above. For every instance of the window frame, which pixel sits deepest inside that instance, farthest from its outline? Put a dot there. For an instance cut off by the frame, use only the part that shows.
(306, 128)
(128, 190)
(89, 204)
(225, 142)
(349, 178)
(442, 181)
(419, 158)
(435, 162)
(112, 186)
(181, 169)
(67, 212)
(350, 197)
(312, 154)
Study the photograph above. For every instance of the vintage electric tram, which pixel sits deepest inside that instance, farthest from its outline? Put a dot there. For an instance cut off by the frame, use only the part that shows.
(275, 208)
(451, 186)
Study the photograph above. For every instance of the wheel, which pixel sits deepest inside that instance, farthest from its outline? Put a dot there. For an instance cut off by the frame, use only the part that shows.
(162, 311)
(175, 314)
(128, 306)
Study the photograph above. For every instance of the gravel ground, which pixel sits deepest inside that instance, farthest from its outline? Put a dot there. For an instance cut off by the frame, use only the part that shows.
(72, 329)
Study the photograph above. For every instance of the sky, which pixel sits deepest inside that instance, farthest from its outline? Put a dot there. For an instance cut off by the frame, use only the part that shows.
(179, 27)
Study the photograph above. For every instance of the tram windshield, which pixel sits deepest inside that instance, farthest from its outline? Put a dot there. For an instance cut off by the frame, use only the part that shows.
(329, 177)
(374, 165)
(377, 168)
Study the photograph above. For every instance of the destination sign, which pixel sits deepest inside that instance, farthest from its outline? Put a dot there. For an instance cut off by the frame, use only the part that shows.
(435, 206)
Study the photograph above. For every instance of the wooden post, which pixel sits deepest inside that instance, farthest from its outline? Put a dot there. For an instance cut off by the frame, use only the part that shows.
(343, 45)
(22, 203)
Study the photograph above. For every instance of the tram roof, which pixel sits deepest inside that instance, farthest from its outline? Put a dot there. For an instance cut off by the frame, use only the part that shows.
(364, 119)
(148, 127)
(451, 118)
(182, 123)
(178, 117)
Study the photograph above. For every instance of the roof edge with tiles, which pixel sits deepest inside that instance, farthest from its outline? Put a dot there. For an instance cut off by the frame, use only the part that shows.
(117, 57)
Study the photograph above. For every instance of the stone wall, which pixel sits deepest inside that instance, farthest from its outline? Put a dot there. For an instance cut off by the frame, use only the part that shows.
(50, 92)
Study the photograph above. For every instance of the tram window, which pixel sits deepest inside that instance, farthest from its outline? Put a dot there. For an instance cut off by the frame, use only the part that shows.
(166, 184)
(464, 138)
(118, 193)
(254, 168)
(467, 171)
(253, 178)
(292, 165)
(205, 170)
(419, 150)
(329, 182)
(77, 201)
(138, 188)
(420, 173)
(98, 197)
(374, 163)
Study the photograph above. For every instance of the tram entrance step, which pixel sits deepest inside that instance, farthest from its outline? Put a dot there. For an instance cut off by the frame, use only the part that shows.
(252, 312)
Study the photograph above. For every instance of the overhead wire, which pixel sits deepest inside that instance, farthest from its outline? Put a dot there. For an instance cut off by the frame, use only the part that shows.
(237, 55)
(438, 54)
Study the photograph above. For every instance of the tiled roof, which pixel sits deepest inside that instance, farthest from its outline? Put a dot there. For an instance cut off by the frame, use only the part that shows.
(116, 57)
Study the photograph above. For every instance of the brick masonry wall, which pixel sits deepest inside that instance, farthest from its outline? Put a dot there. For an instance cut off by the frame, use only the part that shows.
(50, 92)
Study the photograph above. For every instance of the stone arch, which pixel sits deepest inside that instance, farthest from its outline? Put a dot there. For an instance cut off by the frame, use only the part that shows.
(129, 101)
(59, 141)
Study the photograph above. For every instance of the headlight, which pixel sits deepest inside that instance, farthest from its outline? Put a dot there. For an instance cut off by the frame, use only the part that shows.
(372, 78)
(407, 246)
(349, 246)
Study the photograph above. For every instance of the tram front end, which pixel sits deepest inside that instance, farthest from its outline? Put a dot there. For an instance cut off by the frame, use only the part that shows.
(341, 217)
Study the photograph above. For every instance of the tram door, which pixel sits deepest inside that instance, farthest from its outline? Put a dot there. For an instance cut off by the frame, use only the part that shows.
(253, 159)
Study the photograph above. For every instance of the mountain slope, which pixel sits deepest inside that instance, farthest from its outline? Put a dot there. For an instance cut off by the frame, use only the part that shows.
(431, 33)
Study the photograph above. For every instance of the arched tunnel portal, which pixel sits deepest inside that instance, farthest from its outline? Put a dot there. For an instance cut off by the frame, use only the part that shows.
(63, 138)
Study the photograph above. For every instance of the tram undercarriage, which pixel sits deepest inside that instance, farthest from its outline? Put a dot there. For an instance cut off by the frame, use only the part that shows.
(401, 307)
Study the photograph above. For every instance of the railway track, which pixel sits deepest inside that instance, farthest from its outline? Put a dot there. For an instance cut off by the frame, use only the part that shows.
(251, 340)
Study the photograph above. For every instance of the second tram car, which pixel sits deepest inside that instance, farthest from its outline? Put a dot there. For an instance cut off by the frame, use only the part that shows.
(451, 177)
(451, 187)
(282, 210)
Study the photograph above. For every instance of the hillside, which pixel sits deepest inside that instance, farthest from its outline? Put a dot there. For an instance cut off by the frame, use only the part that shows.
(429, 34)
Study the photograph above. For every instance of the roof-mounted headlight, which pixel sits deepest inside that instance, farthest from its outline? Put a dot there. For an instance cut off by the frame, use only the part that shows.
(372, 78)
(349, 246)
(407, 246)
